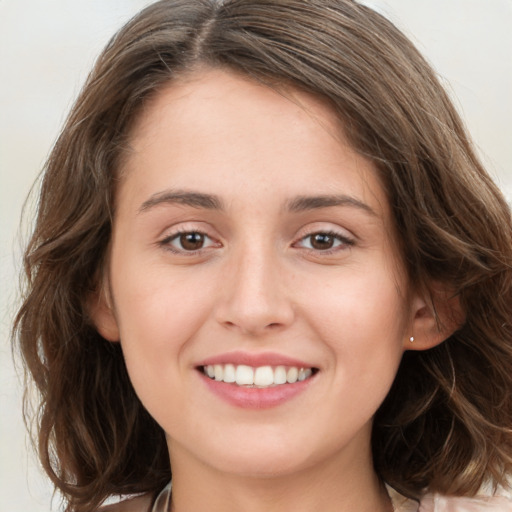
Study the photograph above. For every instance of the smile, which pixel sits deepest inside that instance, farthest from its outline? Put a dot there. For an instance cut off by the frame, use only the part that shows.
(258, 377)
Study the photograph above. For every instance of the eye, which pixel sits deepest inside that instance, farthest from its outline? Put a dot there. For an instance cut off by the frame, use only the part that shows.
(324, 241)
(188, 241)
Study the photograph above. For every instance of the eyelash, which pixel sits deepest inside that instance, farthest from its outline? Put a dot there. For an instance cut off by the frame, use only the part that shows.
(344, 242)
(167, 242)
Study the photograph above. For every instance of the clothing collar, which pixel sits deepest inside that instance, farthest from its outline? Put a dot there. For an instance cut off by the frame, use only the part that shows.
(400, 503)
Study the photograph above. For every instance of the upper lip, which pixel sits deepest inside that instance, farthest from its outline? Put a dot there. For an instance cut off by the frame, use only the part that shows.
(255, 360)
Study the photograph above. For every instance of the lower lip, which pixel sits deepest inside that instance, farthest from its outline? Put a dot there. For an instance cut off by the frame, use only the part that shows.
(256, 398)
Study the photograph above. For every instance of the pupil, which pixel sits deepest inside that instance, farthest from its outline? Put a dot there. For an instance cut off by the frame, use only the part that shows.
(191, 241)
(322, 241)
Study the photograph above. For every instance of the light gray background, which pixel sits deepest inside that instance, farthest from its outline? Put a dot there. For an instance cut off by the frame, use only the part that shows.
(46, 50)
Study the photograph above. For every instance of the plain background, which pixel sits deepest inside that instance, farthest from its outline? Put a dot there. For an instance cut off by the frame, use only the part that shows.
(46, 50)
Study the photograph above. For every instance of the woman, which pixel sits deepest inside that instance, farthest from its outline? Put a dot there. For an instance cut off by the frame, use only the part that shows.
(267, 257)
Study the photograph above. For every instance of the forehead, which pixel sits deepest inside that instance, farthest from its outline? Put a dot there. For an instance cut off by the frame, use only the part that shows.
(207, 91)
(217, 130)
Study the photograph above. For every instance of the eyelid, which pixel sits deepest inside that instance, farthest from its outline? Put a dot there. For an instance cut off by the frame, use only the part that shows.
(346, 238)
(175, 233)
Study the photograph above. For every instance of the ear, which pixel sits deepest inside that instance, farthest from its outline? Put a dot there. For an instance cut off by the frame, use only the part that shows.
(102, 313)
(436, 314)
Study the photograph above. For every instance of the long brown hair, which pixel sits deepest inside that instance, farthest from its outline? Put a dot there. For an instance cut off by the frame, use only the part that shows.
(446, 423)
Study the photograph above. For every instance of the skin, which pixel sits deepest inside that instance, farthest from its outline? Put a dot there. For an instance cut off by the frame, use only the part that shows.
(258, 285)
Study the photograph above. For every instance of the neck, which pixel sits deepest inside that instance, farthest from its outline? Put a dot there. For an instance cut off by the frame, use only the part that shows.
(331, 486)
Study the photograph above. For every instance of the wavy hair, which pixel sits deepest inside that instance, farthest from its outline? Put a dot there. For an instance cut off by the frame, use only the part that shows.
(446, 423)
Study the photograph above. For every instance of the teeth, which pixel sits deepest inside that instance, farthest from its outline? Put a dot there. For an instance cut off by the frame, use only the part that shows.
(262, 376)
(244, 375)
(291, 375)
(280, 375)
(229, 373)
(304, 374)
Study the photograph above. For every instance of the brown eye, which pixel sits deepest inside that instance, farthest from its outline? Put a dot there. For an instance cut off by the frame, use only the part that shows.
(191, 241)
(322, 241)
(325, 241)
(188, 242)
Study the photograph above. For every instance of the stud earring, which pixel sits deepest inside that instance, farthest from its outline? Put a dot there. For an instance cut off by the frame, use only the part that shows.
(411, 339)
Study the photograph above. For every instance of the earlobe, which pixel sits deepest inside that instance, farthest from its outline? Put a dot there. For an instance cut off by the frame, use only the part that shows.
(434, 319)
(101, 312)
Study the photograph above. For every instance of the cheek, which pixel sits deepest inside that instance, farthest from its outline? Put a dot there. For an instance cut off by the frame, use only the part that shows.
(158, 314)
(361, 316)
(364, 303)
(158, 320)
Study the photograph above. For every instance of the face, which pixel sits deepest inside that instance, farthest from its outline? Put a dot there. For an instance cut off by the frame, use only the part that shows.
(254, 280)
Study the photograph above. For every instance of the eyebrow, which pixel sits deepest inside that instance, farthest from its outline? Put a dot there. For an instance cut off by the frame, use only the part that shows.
(304, 203)
(213, 202)
(194, 199)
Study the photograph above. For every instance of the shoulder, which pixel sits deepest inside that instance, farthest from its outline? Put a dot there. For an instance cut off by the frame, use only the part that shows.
(137, 504)
(501, 501)
(437, 503)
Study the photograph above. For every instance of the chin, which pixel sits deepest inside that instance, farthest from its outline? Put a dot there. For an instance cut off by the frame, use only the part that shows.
(260, 460)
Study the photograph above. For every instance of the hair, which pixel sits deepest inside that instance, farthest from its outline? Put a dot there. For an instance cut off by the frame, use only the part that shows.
(445, 425)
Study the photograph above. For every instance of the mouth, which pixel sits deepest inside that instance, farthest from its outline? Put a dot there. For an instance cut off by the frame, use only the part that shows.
(257, 377)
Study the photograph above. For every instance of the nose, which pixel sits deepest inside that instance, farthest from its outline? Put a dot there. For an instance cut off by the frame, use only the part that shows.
(255, 299)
